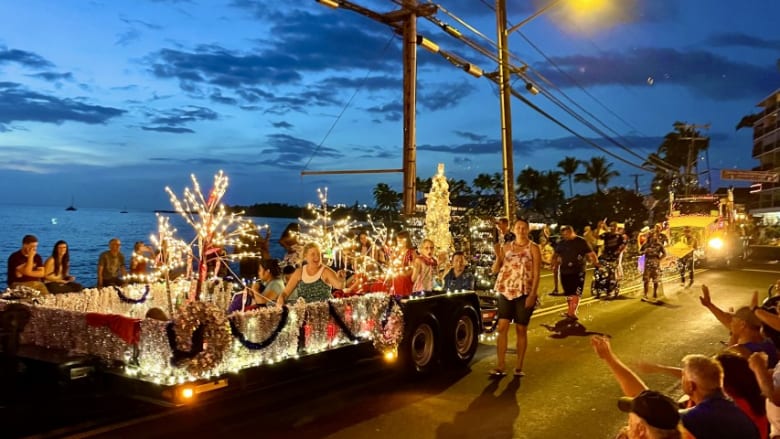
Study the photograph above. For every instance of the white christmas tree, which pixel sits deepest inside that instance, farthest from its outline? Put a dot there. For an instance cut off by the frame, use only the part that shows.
(437, 216)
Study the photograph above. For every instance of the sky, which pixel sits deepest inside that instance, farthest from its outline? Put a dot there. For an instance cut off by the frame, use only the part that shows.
(109, 102)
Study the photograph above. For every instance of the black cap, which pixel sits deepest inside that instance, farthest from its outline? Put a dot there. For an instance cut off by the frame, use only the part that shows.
(657, 409)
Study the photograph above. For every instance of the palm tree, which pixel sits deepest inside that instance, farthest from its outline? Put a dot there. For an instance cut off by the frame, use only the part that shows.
(489, 183)
(423, 186)
(386, 199)
(529, 182)
(569, 167)
(598, 171)
(458, 188)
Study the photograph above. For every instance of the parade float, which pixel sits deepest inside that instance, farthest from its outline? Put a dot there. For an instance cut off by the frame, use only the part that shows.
(171, 329)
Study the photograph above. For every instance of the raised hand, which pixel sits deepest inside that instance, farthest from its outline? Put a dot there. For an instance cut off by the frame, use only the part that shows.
(705, 296)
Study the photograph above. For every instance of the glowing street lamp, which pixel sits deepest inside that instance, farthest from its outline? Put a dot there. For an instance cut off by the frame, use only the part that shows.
(505, 89)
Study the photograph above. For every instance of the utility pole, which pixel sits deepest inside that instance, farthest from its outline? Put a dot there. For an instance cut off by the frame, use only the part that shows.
(505, 97)
(693, 137)
(636, 182)
(410, 108)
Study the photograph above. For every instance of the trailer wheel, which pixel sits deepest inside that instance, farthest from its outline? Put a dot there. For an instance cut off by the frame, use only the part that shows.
(464, 336)
(419, 349)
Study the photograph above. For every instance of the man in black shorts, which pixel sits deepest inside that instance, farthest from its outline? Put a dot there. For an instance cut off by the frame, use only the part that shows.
(570, 256)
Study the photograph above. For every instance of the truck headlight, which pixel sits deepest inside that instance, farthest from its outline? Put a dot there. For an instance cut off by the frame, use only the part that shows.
(716, 243)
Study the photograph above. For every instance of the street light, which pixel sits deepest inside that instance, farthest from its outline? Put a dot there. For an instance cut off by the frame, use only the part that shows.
(505, 89)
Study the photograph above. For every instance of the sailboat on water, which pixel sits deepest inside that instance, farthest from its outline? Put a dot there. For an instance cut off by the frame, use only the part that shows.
(72, 206)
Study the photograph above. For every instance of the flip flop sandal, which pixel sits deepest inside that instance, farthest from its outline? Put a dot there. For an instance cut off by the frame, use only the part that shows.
(519, 373)
(497, 373)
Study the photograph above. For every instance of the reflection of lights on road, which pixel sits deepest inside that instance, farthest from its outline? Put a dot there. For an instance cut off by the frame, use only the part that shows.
(716, 243)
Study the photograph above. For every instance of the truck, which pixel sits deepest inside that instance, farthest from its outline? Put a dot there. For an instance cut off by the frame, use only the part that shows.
(201, 349)
(715, 223)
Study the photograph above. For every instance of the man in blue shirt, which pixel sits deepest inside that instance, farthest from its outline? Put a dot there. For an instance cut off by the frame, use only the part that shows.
(459, 277)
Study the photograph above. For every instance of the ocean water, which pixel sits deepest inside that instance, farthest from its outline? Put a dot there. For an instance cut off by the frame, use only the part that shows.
(88, 230)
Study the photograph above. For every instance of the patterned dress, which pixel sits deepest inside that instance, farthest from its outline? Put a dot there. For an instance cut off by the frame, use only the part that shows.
(313, 288)
(516, 276)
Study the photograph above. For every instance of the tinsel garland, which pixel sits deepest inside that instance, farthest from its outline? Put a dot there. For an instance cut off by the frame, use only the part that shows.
(21, 292)
(265, 343)
(340, 323)
(215, 341)
(126, 299)
(388, 334)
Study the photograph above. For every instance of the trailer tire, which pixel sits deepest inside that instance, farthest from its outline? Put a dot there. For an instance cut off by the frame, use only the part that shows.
(463, 338)
(420, 349)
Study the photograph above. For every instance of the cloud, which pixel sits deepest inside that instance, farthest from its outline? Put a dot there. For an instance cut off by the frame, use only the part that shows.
(391, 112)
(282, 124)
(474, 137)
(127, 37)
(291, 152)
(173, 130)
(446, 96)
(53, 76)
(703, 73)
(18, 104)
(736, 39)
(24, 58)
(185, 115)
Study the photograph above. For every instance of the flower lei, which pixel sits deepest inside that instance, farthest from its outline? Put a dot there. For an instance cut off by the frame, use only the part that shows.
(199, 337)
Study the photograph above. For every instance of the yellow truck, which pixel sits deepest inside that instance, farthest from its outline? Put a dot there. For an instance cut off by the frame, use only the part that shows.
(714, 224)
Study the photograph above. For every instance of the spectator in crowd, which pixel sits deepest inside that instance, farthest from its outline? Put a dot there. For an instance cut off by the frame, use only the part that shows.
(111, 265)
(57, 267)
(712, 415)
(314, 280)
(518, 264)
(653, 251)
(459, 277)
(569, 260)
(651, 414)
(745, 329)
(741, 385)
(25, 266)
(601, 228)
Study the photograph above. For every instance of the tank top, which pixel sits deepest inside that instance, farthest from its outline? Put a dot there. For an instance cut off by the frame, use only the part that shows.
(515, 277)
(312, 288)
(424, 280)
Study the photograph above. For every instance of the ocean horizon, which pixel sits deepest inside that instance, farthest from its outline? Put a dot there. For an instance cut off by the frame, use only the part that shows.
(87, 231)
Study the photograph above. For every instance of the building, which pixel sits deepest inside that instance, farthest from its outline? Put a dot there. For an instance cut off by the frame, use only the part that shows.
(766, 149)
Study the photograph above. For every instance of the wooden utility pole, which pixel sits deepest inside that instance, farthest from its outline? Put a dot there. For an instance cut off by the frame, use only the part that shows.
(505, 97)
(410, 108)
(636, 182)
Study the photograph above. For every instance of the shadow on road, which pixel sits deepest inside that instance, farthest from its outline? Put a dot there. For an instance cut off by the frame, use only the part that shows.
(566, 328)
(487, 416)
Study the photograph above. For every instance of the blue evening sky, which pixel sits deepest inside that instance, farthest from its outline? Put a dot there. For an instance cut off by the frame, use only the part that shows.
(109, 101)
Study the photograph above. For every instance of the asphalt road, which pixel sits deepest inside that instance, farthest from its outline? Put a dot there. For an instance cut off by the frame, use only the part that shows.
(567, 391)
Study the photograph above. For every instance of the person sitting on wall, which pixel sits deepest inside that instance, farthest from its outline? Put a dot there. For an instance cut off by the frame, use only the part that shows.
(111, 265)
(57, 268)
(25, 266)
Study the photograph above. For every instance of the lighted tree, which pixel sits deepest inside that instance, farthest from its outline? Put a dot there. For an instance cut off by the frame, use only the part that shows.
(333, 237)
(215, 229)
(437, 215)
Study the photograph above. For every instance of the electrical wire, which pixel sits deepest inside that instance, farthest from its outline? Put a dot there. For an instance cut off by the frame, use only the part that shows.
(344, 109)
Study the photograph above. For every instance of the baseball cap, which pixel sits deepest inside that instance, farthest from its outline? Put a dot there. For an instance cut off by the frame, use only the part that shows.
(657, 409)
(748, 316)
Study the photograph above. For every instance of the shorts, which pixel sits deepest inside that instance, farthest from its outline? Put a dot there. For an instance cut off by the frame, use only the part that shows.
(514, 310)
(652, 270)
(573, 283)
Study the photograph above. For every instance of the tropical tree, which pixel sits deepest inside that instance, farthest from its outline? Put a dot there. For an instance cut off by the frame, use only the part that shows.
(459, 189)
(489, 194)
(528, 184)
(490, 184)
(550, 196)
(569, 167)
(423, 186)
(387, 200)
(598, 171)
(675, 161)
